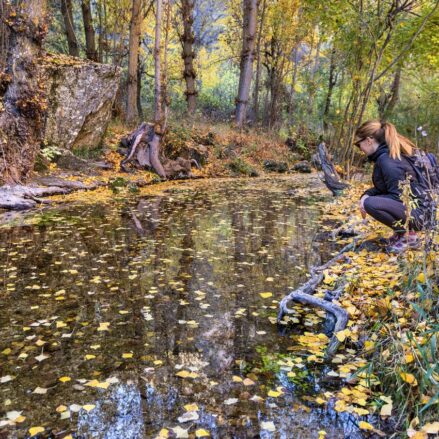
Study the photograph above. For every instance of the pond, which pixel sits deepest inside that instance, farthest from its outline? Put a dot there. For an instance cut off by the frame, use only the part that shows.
(155, 316)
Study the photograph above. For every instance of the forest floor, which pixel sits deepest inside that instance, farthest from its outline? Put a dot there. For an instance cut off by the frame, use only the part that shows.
(389, 361)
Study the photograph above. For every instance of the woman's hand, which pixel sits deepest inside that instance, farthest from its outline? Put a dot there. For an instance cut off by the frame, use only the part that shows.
(362, 211)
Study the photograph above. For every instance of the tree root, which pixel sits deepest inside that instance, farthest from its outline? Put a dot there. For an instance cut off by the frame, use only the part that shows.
(340, 314)
(304, 295)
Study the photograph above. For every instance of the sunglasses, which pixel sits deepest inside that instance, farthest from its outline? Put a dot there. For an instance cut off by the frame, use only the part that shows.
(357, 143)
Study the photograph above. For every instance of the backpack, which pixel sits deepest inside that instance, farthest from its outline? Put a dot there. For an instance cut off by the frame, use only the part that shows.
(426, 186)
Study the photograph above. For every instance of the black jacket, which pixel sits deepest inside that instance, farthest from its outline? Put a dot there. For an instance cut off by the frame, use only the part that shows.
(387, 173)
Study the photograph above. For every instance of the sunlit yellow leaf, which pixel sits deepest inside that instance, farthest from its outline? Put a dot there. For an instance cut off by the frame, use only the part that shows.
(409, 378)
(201, 433)
(104, 326)
(35, 430)
(431, 427)
(65, 379)
(127, 355)
(88, 407)
(265, 295)
(274, 393)
(365, 425)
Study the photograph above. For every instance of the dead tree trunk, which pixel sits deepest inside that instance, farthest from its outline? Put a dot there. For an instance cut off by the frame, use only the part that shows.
(132, 114)
(187, 40)
(66, 10)
(247, 56)
(24, 101)
(322, 161)
(90, 44)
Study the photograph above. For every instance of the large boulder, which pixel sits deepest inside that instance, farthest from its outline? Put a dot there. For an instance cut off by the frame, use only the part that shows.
(80, 95)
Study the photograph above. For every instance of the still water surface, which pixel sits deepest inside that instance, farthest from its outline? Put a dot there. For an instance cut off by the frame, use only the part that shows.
(137, 318)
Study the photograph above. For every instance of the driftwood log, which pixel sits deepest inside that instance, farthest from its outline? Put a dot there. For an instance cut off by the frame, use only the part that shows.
(322, 161)
(143, 148)
(304, 295)
(18, 197)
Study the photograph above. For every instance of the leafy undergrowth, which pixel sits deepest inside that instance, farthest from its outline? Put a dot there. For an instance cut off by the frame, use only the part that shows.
(389, 357)
(229, 154)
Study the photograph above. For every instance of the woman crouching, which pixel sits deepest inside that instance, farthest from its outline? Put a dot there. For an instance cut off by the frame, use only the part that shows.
(393, 163)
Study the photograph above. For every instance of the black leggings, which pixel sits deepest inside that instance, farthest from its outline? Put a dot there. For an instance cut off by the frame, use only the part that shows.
(392, 213)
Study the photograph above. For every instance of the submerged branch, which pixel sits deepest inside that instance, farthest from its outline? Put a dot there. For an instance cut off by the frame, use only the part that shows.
(304, 295)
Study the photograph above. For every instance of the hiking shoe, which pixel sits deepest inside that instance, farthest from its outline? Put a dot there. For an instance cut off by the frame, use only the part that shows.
(404, 242)
(393, 239)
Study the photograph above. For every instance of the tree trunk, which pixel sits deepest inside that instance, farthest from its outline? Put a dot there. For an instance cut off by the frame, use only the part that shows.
(90, 45)
(188, 54)
(154, 145)
(66, 10)
(24, 100)
(247, 56)
(140, 71)
(132, 114)
(258, 63)
(292, 101)
(331, 85)
(388, 101)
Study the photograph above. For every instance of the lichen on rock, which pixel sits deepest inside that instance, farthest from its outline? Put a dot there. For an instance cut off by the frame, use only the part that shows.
(80, 95)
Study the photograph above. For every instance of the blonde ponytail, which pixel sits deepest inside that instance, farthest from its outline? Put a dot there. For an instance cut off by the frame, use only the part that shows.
(397, 143)
(386, 132)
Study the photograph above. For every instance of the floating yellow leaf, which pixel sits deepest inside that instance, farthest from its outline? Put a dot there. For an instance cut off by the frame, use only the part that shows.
(65, 379)
(265, 295)
(104, 326)
(127, 355)
(6, 351)
(89, 356)
(183, 373)
(88, 407)
(274, 393)
(61, 408)
(201, 433)
(236, 379)
(164, 433)
(191, 408)
(35, 430)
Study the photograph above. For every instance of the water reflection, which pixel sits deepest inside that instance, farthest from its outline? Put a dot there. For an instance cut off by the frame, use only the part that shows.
(158, 301)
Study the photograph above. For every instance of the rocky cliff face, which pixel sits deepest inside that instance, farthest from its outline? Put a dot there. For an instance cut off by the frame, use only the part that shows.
(80, 95)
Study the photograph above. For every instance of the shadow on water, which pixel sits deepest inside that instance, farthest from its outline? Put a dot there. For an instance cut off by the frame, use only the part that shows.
(151, 314)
